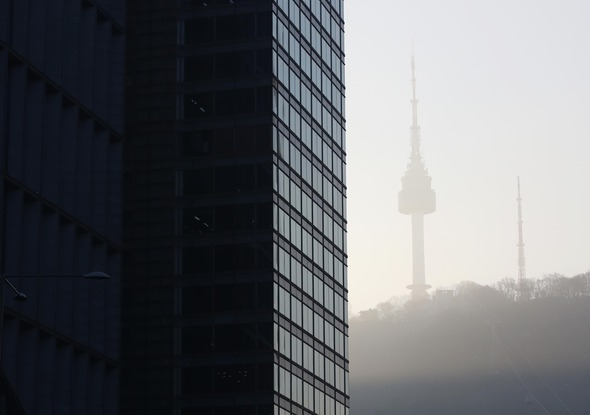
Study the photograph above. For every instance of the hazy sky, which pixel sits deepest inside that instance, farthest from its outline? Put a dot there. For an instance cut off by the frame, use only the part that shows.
(504, 91)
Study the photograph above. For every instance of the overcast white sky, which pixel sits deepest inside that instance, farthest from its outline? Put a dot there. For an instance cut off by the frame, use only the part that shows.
(504, 91)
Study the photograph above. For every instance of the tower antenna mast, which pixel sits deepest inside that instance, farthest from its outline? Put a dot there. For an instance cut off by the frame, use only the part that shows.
(521, 269)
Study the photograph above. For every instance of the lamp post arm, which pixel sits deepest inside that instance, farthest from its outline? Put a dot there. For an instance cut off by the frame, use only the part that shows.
(11, 286)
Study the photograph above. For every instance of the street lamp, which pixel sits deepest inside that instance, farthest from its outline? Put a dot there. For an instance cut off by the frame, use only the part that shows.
(22, 297)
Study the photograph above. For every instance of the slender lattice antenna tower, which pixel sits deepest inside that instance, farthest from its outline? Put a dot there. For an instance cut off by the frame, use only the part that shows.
(416, 199)
(520, 245)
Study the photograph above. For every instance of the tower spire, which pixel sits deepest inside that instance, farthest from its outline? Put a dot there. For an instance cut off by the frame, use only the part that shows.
(416, 199)
(416, 165)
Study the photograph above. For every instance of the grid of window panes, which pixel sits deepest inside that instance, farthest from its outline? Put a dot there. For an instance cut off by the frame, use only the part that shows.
(225, 326)
(309, 178)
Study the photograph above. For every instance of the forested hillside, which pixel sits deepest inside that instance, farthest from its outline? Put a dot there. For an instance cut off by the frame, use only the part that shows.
(476, 350)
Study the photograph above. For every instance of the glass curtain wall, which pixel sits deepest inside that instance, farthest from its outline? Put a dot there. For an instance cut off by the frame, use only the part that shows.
(311, 375)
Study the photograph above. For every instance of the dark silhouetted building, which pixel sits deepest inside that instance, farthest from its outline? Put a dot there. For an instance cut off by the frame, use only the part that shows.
(61, 124)
(234, 290)
(234, 275)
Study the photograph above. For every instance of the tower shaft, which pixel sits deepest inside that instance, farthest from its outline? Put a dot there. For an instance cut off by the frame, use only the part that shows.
(418, 271)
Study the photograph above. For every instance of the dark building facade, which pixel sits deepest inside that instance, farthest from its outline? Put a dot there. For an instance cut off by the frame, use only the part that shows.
(61, 125)
(234, 273)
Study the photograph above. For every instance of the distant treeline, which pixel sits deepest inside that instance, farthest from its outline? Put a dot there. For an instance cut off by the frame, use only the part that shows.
(551, 285)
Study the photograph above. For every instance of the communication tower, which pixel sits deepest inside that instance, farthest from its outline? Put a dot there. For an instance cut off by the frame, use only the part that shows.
(416, 199)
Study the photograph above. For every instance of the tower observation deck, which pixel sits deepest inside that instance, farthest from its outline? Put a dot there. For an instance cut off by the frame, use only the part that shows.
(416, 199)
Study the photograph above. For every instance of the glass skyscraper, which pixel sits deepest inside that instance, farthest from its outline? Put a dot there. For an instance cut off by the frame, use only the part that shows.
(234, 275)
